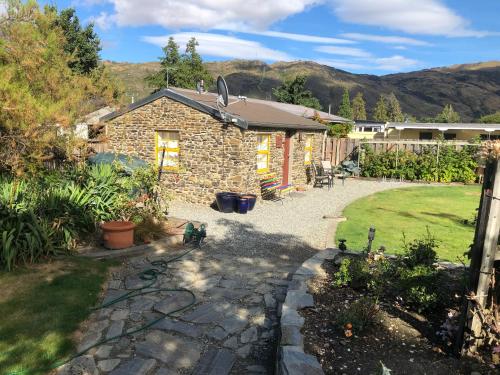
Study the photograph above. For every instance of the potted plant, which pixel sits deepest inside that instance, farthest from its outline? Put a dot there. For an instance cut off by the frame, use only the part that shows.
(119, 234)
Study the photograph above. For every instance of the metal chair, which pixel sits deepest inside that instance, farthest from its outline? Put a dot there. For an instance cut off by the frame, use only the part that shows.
(321, 177)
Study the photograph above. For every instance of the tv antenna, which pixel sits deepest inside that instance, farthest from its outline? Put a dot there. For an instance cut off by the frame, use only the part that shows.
(222, 92)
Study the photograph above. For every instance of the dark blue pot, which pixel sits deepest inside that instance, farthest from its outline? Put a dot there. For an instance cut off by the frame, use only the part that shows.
(252, 198)
(243, 205)
(226, 202)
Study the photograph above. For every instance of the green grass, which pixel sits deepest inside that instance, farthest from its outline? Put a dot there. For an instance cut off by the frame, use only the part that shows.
(41, 307)
(411, 210)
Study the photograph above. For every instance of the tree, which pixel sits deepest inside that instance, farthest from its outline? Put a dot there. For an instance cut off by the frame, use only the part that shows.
(358, 107)
(448, 115)
(494, 118)
(82, 43)
(41, 96)
(394, 111)
(380, 112)
(294, 92)
(345, 109)
(183, 71)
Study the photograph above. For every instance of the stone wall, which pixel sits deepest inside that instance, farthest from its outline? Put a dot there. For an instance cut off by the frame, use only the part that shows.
(213, 156)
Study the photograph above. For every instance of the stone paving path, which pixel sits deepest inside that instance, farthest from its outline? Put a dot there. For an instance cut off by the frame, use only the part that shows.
(240, 278)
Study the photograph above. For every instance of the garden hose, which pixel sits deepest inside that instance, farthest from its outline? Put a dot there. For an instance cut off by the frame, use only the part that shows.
(151, 274)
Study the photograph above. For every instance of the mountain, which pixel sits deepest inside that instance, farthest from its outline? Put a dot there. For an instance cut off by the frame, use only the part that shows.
(472, 89)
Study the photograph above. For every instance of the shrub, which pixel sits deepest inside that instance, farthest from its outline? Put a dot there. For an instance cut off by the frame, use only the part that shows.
(419, 287)
(343, 276)
(420, 252)
(360, 315)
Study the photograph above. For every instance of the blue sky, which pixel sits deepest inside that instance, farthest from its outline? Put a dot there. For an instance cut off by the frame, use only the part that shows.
(361, 36)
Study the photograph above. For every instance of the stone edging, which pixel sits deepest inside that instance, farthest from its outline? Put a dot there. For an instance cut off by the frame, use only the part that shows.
(291, 357)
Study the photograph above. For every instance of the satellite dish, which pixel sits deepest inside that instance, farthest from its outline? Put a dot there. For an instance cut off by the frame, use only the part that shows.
(222, 91)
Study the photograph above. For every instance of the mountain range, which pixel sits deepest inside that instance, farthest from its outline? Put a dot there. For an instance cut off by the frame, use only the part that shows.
(472, 89)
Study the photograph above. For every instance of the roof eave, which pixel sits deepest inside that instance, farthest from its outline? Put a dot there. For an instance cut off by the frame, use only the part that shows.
(286, 126)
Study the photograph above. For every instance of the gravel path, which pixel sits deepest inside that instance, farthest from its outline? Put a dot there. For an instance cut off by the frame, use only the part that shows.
(240, 277)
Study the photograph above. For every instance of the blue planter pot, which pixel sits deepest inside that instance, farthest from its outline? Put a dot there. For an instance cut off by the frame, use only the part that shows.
(226, 202)
(252, 198)
(243, 205)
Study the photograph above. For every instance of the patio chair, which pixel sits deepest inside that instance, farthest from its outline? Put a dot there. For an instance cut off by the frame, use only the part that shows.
(321, 177)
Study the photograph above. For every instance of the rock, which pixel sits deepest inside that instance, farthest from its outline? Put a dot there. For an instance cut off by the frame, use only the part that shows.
(231, 343)
(255, 299)
(136, 366)
(83, 365)
(115, 329)
(114, 284)
(270, 301)
(217, 333)
(290, 335)
(179, 327)
(111, 295)
(89, 340)
(250, 335)
(165, 371)
(244, 351)
(103, 351)
(291, 317)
(169, 349)
(264, 288)
(298, 299)
(233, 283)
(279, 282)
(208, 313)
(229, 294)
(141, 304)
(173, 303)
(108, 364)
(233, 323)
(257, 369)
(215, 362)
(119, 314)
(202, 285)
(295, 362)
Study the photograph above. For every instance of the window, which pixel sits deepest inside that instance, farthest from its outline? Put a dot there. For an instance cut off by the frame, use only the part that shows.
(450, 136)
(263, 147)
(167, 148)
(425, 136)
(308, 149)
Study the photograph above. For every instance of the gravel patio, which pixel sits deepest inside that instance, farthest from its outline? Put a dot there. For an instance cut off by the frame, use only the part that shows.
(240, 278)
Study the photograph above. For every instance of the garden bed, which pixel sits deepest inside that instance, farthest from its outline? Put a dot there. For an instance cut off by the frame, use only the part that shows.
(390, 332)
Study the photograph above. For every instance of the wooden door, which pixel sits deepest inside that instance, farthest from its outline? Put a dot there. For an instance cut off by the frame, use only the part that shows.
(286, 159)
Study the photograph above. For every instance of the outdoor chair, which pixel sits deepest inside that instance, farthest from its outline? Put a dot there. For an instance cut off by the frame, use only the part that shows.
(273, 189)
(321, 177)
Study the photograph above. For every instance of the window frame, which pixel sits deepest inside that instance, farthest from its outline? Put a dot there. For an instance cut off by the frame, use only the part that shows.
(264, 152)
(308, 150)
(159, 149)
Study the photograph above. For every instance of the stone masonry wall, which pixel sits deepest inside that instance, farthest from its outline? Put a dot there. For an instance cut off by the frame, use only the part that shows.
(213, 156)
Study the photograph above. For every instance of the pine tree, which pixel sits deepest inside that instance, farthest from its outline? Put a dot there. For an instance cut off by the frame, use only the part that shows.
(183, 71)
(380, 113)
(448, 115)
(294, 92)
(358, 107)
(394, 111)
(345, 109)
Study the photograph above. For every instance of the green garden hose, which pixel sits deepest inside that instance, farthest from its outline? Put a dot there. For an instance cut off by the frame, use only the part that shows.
(151, 274)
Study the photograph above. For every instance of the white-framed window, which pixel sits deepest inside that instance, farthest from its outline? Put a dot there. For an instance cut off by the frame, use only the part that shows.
(263, 152)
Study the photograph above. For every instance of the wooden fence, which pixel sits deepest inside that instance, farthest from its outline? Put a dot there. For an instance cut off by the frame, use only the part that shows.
(339, 149)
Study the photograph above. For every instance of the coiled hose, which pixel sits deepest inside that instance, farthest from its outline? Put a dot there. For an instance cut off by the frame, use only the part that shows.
(151, 274)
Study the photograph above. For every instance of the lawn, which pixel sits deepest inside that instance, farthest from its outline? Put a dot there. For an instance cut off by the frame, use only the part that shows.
(442, 209)
(41, 307)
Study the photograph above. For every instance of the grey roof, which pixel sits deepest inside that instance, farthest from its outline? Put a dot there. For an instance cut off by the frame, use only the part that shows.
(242, 113)
(443, 126)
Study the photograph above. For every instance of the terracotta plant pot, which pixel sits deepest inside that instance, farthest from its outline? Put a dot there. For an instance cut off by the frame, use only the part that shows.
(118, 234)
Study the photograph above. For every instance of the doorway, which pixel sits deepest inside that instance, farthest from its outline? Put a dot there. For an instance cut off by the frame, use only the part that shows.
(287, 159)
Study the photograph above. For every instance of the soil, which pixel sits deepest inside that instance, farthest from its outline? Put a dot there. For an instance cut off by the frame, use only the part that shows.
(405, 342)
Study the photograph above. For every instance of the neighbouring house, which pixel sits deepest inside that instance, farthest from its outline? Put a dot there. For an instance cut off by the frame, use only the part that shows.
(429, 131)
(365, 129)
(208, 149)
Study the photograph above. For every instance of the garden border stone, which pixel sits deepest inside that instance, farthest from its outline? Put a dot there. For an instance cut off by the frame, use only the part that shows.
(292, 360)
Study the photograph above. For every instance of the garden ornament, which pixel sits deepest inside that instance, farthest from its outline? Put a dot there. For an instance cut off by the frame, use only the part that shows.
(342, 245)
(371, 237)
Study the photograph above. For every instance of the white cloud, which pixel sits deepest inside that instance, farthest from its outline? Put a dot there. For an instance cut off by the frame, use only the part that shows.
(223, 46)
(341, 64)
(104, 21)
(344, 51)
(427, 17)
(207, 14)
(394, 63)
(389, 39)
(299, 37)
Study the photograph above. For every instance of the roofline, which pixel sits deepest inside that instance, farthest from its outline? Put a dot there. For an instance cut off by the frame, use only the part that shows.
(443, 126)
(182, 99)
(226, 117)
(287, 126)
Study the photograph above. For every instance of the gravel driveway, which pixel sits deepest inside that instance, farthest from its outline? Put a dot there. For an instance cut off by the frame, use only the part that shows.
(240, 279)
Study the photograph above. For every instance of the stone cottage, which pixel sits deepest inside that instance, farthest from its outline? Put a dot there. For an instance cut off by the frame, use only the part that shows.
(204, 148)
